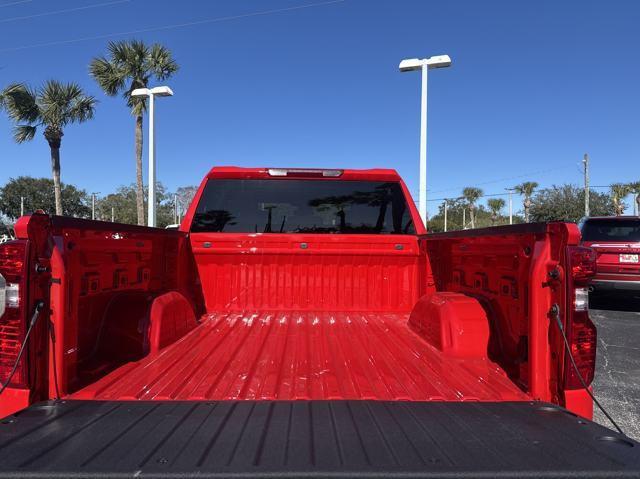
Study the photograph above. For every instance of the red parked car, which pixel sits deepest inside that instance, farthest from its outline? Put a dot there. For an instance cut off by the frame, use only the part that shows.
(616, 240)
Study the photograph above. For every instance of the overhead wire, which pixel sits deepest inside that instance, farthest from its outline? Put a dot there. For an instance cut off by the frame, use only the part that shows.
(19, 2)
(171, 26)
(66, 10)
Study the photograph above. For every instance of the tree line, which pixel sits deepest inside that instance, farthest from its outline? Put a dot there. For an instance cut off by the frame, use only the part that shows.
(555, 203)
(27, 194)
(51, 107)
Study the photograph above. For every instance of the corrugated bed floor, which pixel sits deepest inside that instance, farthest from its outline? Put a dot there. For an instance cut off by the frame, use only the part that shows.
(304, 355)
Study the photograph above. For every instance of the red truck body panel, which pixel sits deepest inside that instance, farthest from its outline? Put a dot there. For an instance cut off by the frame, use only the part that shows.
(303, 316)
(308, 355)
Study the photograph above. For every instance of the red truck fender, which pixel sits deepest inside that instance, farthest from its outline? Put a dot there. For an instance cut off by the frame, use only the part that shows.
(453, 323)
(171, 317)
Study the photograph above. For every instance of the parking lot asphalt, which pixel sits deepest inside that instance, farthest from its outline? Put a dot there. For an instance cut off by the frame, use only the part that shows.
(617, 380)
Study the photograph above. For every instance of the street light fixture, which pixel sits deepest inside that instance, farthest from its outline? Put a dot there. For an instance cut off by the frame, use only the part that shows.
(425, 64)
(151, 93)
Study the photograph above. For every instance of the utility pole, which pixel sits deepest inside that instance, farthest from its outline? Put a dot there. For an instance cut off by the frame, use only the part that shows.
(22, 206)
(445, 215)
(464, 218)
(585, 162)
(510, 190)
(113, 214)
(93, 206)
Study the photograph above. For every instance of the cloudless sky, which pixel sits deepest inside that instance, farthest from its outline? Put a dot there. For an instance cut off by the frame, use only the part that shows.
(534, 85)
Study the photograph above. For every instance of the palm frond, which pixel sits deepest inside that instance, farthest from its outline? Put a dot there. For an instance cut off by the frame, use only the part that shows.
(472, 194)
(82, 109)
(495, 204)
(161, 62)
(619, 190)
(109, 75)
(131, 64)
(20, 103)
(526, 189)
(64, 103)
(22, 133)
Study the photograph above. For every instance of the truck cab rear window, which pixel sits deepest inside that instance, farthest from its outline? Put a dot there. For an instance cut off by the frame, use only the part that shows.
(302, 206)
(611, 230)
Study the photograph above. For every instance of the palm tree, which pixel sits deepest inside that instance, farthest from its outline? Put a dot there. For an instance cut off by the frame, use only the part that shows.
(130, 65)
(618, 192)
(495, 205)
(634, 189)
(52, 108)
(526, 189)
(472, 195)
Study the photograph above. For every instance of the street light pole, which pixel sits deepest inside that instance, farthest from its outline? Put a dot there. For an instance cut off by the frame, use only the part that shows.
(151, 201)
(151, 93)
(413, 64)
(422, 201)
(22, 206)
(585, 162)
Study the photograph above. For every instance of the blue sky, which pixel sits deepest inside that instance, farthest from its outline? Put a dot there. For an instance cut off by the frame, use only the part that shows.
(533, 86)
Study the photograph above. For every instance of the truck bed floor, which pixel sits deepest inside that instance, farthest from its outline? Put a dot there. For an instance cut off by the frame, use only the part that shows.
(304, 355)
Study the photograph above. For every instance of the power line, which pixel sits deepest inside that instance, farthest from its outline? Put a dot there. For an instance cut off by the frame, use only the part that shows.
(67, 10)
(172, 26)
(500, 194)
(19, 2)
(524, 175)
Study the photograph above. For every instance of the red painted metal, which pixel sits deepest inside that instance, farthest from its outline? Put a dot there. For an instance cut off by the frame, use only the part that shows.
(171, 318)
(309, 272)
(453, 323)
(304, 355)
(106, 278)
(304, 316)
(579, 402)
(508, 270)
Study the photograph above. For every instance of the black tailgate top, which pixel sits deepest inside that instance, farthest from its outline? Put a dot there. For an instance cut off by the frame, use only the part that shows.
(309, 439)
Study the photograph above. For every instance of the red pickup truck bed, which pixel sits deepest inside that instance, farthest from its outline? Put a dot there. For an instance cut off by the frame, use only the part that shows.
(304, 355)
(335, 339)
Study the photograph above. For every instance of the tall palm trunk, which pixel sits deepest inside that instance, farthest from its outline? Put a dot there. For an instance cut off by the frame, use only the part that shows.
(527, 205)
(139, 184)
(55, 170)
(53, 136)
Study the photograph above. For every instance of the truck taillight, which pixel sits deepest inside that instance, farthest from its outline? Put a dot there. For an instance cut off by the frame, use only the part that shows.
(583, 264)
(581, 332)
(13, 256)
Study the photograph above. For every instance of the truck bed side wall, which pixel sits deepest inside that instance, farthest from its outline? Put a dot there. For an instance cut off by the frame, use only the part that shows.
(105, 277)
(507, 269)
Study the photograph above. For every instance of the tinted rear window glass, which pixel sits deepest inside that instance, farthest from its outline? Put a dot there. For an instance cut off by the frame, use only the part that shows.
(611, 230)
(302, 206)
